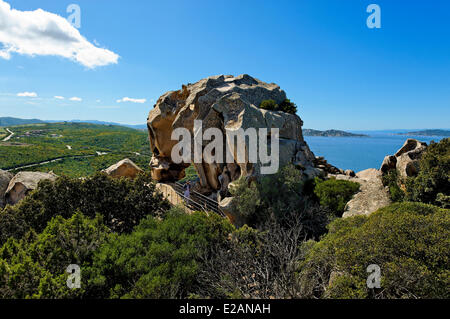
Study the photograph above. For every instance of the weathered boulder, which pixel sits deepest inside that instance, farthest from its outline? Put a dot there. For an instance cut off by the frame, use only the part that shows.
(124, 168)
(350, 173)
(229, 104)
(5, 178)
(406, 160)
(372, 194)
(389, 163)
(228, 208)
(24, 182)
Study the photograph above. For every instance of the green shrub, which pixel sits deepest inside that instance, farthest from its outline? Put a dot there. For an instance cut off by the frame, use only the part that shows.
(286, 106)
(409, 241)
(35, 266)
(275, 197)
(160, 259)
(122, 203)
(391, 180)
(334, 194)
(434, 176)
(270, 105)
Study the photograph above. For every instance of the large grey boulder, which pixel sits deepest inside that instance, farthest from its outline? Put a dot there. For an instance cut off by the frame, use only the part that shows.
(124, 168)
(227, 103)
(24, 182)
(5, 178)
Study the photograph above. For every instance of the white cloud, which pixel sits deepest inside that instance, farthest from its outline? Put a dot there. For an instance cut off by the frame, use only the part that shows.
(76, 99)
(27, 94)
(44, 33)
(128, 99)
(59, 97)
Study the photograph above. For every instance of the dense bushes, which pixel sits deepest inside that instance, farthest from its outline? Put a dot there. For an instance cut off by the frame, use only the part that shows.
(391, 180)
(334, 194)
(121, 202)
(275, 197)
(34, 266)
(409, 241)
(286, 106)
(432, 185)
(160, 259)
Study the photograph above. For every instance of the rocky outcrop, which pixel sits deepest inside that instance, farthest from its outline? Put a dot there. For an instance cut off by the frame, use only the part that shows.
(371, 196)
(406, 160)
(5, 178)
(322, 164)
(124, 168)
(24, 182)
(229, 104)
(227, 207)
(389, 163)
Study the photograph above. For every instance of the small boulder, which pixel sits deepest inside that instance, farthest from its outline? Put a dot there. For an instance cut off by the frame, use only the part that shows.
(124, 168)
(24, 182)
(350, 173)
(5, 178)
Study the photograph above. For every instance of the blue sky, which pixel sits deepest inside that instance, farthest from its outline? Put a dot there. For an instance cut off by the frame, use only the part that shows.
(339, 72)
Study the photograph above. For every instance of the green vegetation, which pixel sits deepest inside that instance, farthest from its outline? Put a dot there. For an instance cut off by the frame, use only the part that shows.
(129, 243)
(277, 197)
(76, 144)
(160, 259)
(3, 133)
(432, 185)
(34, 266)
(391, 179)
(334, 194)
(286, 106)
(121, 202)
(191, 174)
(409, 241)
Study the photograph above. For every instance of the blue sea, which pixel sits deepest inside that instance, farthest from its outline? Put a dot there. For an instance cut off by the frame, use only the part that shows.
(360, 153)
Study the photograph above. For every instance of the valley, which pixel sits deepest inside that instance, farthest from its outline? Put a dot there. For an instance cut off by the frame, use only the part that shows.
(72, 149)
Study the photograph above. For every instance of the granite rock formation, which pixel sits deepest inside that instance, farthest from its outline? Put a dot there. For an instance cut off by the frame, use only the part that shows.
(124, 168)
(5, 178)
(406, 160)
(24, 182)
(228, 103)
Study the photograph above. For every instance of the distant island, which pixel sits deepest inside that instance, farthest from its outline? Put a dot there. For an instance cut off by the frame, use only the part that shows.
(445, 133)
(330, 133)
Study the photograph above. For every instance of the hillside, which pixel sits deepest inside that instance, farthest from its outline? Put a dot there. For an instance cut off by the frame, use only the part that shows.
(10, 121)
(330, 133)
(427, 133)
(73, 149)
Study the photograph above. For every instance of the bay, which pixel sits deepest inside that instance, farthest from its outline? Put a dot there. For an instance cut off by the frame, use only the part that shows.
(360, 153)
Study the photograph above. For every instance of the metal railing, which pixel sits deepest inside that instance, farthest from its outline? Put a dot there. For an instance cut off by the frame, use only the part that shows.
(199, 200)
